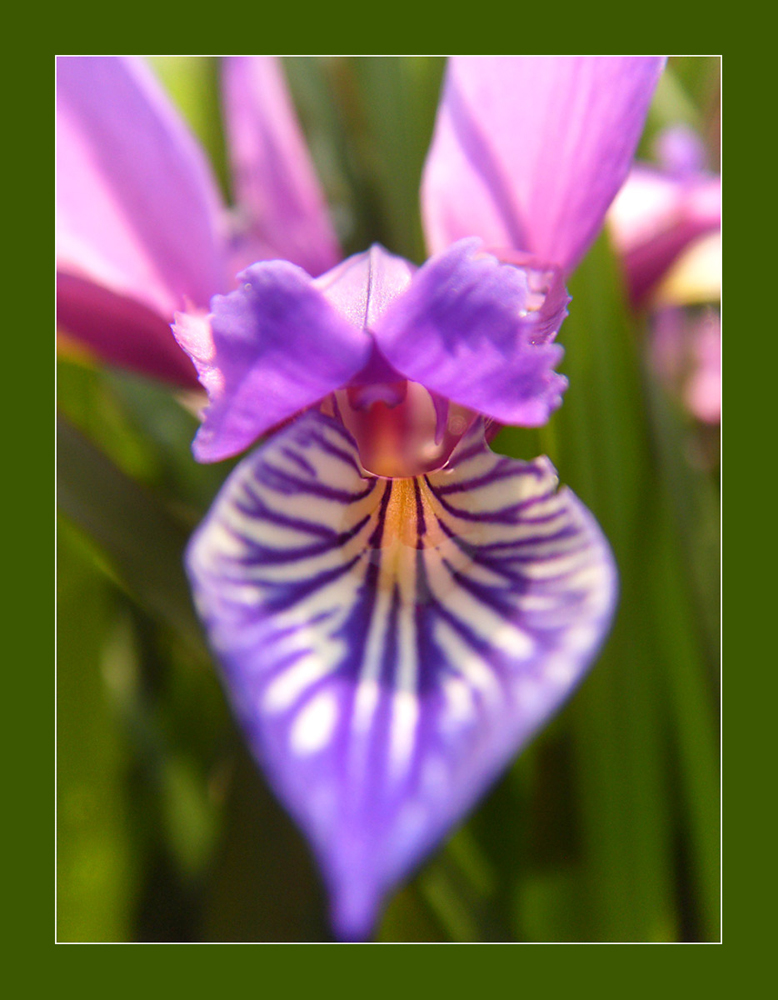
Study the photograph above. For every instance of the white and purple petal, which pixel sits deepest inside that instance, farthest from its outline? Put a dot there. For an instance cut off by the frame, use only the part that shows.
(529, 151)
(285, 214)
(389, 645)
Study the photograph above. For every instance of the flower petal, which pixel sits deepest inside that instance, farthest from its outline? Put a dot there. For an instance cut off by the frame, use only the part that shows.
(137, 207)
(389, 645)
(363, 286)
(466, 329)
(275, 181)
(529, 151)
(121, 331)
(277, 347)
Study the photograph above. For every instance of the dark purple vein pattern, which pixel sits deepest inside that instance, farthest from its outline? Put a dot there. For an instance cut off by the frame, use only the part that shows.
(389, 645)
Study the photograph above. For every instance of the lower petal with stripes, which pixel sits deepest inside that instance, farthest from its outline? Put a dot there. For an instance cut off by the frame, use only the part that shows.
(389, 645)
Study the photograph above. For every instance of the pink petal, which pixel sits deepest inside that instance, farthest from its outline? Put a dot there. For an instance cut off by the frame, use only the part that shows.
(137, 207)
(529, 151)
(275, 181)
(121, 331)
(138, 210)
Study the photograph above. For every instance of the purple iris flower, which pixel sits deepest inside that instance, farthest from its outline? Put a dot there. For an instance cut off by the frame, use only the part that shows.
(396, 608)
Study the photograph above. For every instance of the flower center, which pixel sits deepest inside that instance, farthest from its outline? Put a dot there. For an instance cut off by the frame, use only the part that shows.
(400, 428)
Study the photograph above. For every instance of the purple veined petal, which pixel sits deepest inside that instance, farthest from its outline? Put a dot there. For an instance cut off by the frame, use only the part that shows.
(276, 185)
(269, 349)
(138, 211)
(529, 151)
(468, 329)
(389, 645)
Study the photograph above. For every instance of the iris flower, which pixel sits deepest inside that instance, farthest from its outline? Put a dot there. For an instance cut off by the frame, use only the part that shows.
(396, 608)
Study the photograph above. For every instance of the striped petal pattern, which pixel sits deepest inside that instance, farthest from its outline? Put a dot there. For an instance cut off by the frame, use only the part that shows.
(389, 645)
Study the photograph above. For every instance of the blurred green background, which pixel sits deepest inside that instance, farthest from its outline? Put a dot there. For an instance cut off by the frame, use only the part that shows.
(606, 828)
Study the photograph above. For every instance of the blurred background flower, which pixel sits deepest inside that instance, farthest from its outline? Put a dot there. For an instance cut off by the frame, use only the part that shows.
(606, 829)
(666, 227)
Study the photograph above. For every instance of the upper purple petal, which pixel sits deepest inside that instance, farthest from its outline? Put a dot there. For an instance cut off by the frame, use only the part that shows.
(275, 182)
(138, 211)
(467, 330)
(276, 346)
(389, 645)
(529, 151)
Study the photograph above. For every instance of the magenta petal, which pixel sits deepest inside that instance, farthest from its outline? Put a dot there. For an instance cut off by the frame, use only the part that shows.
(389, 645)
(275, 346)
(275, 182)
(529, 151)
(121, 331)
(466, 329)
(137, 207)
